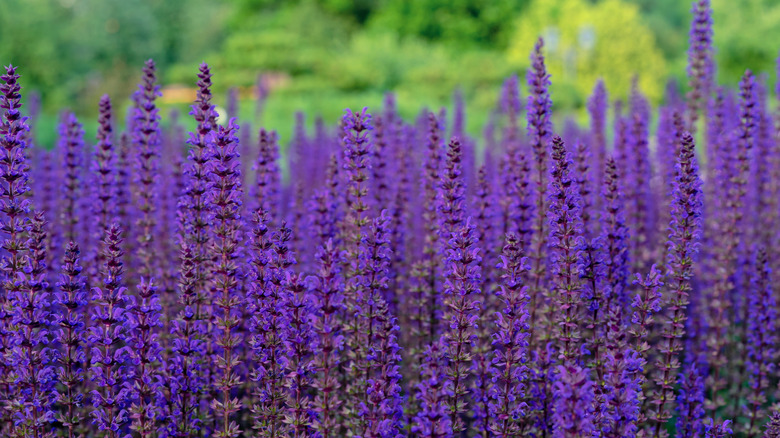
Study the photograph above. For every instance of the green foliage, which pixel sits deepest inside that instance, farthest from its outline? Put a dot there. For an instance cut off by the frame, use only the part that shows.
(585, 42)
(460, 22)
(746, 36)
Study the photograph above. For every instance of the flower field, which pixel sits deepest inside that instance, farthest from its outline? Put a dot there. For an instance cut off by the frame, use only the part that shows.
(385, 277)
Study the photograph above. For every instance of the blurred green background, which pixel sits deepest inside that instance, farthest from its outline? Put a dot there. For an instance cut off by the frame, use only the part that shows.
(321, 56)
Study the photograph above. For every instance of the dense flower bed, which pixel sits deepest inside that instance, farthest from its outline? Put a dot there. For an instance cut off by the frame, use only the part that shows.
(403, 281)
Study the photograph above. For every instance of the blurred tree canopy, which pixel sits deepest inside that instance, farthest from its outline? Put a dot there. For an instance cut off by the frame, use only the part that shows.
(327, 54)
(585, 42)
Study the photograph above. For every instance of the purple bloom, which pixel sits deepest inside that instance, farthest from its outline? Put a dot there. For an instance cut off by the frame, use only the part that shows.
(143, 321)
(597, 108)
(700, 61)
(267, 178)
(271, 262)
(538, 111)
(715, 429)
(30, 355)
(14, 220)
(573, 394)
(432, 419)
(761, 341)
(329, 295)
(225, 197)
(146, 139)
(107, 336)
(72, 300)
(72, 151)
(684, 235)
(104, 170)
(565, 243)
(510, 342)
(461, 288)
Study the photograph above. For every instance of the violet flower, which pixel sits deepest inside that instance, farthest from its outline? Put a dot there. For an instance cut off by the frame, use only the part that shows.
(510, 342)
(538, 113)
(225, 196)
(143, 321)
(684, 235)
(271, 263)
(432, 419)
(146, 139)
(14, 220)
(715, 429)
(72, 300)
(700, 61)
(460, 287)
(72, 150)
(597, 109)
(573, 395)
(760, 339)
(267, 177)
(300, 343)
(565, 242)
(31, 355)
(329, 295)
(108, 333)
(104, 169)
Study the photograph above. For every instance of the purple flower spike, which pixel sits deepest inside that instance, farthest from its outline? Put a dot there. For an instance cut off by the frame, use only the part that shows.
(14, 217)
(146, 139)
(31, 356)
(329, 294)
(700, 61)
(225, 197)
(684, 236)
(433, 419)
(538, 111)
(271, 263)
(72, 300)
(461, 288)
(104, 170)
(108, 333)
(565, 242)
(510, 342)
(72, 150)
(573, 395)
(145, 350)
(714, 429)
(762, 341)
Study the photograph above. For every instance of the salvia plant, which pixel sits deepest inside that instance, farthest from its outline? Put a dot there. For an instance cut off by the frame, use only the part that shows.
(389, 278)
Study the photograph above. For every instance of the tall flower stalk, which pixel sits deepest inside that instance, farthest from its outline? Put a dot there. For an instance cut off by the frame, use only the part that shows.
(146, 140)
(684, 235)
(71, 298)
(225, 198)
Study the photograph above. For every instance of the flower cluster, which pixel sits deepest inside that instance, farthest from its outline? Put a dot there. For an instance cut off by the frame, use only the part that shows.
(392, 277)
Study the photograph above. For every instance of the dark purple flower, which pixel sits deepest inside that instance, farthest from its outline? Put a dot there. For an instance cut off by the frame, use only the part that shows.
(510, 342)
(700, 61)
(684, 236)
(14, 220)
(538, 111)
(573, 395)
(225, 197)
(432, 419)
(31, 355)
(146, 140)
(461, 289)
(761, 340)
(104, 171)
(110, 371)
(71, 298)
(565, 244)
(71, 145)
(329, 295)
